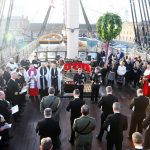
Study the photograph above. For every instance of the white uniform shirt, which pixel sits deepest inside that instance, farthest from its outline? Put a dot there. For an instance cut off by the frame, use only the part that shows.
(121, 70)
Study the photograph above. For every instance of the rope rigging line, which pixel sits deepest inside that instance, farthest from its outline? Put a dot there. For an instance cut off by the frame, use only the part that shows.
(143, 26)
(8, 22)
(136, 22)
(145, 16)
(3, 2)
(135, 30)
(147, 11)
(149, 2)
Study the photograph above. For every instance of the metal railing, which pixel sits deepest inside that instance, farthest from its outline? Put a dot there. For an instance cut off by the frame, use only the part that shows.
(25, 52)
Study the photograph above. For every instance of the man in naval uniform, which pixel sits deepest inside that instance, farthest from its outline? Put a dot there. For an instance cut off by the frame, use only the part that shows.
(79, 79)
(96, 81)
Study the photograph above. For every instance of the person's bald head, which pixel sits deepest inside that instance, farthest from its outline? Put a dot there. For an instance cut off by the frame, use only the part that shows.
(2, 95)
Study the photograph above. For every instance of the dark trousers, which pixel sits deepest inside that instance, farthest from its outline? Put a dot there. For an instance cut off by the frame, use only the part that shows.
(128, 77)
(103, 80)
(136, 123)
(80, 87)
(103, 118)
(56, 90)
(95, 92)
(86, 146)
(55, 85)
(120, 80)
(72, 131)
(117, 143)
(110, 83)
(21, 100)
(135, 81)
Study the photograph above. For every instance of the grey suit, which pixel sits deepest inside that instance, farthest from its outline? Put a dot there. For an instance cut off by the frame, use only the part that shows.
(52, 102)
(83, 128)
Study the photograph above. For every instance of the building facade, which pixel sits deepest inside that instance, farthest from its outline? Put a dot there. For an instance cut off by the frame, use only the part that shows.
(127, 33)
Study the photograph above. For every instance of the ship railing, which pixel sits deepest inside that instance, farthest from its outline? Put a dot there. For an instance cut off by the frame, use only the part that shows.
(17, 54)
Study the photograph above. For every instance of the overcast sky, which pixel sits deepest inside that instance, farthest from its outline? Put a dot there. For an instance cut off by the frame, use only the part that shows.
(36, 9)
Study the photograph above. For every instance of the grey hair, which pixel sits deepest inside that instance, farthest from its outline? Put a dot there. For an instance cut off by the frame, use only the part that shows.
(85, 110)
(46, 143)
(51, 90)
(137, 138)
(116, 106)
(108, 89)
(47, 112)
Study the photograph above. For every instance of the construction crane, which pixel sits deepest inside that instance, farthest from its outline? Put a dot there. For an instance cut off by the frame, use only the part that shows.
(46, 19)
(88, 25)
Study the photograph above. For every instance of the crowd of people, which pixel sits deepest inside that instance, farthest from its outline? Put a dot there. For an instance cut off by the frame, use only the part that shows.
(43, 82)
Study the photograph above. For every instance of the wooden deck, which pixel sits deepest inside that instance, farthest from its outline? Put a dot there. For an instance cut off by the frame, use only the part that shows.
(25, 137)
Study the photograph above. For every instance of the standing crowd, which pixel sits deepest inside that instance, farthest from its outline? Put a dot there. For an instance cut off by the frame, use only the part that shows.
(45, 80)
